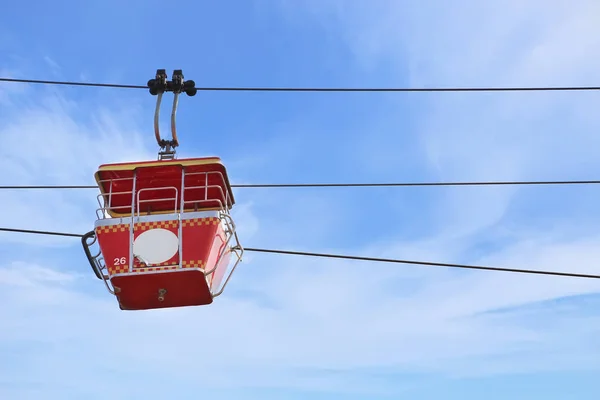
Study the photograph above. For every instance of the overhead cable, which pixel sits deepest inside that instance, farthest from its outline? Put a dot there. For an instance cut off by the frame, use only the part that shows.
(338, 185)
(426, 263)
(37, 232)
(319, 89)
(357, 258)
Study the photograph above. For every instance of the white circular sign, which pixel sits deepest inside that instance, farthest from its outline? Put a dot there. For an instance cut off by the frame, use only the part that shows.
(156, 246)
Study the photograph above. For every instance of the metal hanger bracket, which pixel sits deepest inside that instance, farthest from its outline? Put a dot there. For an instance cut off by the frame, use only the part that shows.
(157, 87)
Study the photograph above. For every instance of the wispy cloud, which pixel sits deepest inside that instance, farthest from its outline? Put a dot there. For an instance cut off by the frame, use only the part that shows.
(331, 325)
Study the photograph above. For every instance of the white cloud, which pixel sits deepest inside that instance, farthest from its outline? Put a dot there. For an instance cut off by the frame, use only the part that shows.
(9, 89)
(318, 315)
(53, 64)
(284, 316)
(57, 141)
(489, 136)
(21, 274)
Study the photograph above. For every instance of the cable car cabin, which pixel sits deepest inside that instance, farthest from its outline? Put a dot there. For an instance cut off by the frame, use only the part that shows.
(164, 231)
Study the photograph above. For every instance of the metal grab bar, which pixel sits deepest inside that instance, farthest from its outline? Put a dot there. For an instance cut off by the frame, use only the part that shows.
(96, 261)
(138, 201)
(85, 241)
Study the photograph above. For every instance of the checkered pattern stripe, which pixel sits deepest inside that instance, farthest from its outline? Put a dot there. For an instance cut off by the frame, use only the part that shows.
(200, 221)
(171, 225)
(123, 269)
(100, 230)
(146, 226)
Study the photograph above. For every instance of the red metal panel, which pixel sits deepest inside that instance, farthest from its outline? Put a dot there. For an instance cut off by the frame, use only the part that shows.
(198, 237)
(114, 244)
(219, 244)
(141, 291)
(203, 239)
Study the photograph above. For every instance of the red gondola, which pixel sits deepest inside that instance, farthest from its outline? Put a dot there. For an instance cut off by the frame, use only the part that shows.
(164, 230)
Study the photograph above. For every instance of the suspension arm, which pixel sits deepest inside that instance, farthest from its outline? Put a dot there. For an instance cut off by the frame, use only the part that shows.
(157, 87)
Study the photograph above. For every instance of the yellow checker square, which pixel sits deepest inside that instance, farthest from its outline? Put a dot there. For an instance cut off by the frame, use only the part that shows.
(138, 264)
(194, 264)
(112, 228)
(191, 263)
(119, 269)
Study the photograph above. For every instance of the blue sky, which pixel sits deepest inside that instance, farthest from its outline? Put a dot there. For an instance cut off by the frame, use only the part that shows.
(291, 327)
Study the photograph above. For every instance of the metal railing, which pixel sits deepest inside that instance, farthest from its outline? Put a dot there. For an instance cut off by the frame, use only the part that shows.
(181, 202)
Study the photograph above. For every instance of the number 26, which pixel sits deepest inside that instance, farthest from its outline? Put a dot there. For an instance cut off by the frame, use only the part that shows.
(119, 261)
